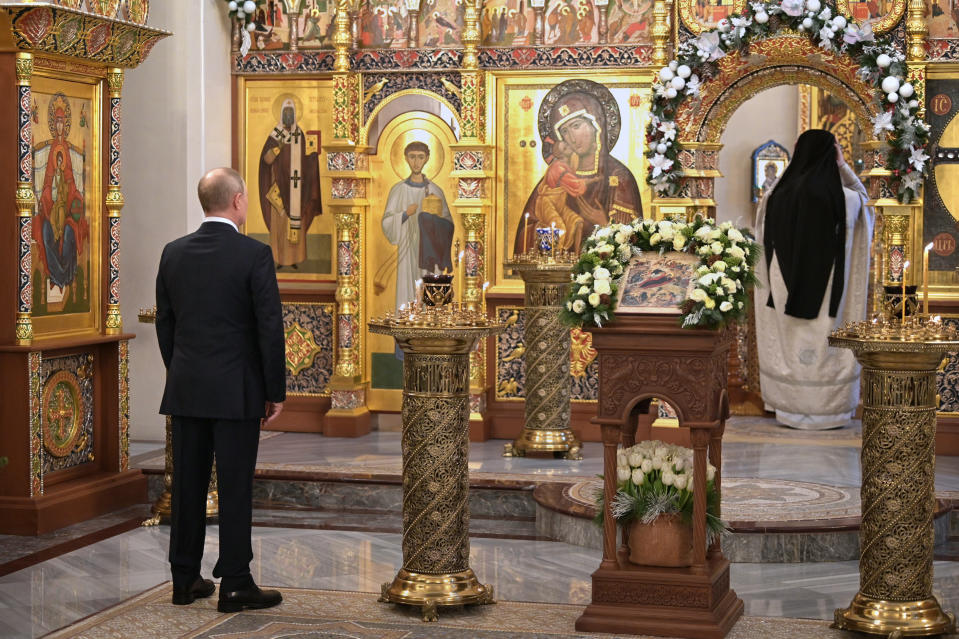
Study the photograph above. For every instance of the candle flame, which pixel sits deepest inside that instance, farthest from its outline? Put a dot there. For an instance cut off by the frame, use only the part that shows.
(461, 254)
(527, 216)
(928, 247)
(905, 265)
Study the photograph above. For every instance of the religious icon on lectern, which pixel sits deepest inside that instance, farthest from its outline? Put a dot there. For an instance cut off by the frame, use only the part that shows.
(417, 221)
(656, 283)
(584, 186)
(289, 182)
(61, 229)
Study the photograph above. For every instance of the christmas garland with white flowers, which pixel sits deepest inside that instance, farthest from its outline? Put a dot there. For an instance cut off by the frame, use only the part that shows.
(244, 11)
(881, 64)
(726, 272)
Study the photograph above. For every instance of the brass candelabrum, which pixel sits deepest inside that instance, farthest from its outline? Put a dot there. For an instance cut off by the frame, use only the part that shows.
(162, 507)
(899, 359)
(436, 342)
(546, 278)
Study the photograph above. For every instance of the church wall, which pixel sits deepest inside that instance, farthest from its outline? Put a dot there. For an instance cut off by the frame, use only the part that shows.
(176, 124)
(770, 115)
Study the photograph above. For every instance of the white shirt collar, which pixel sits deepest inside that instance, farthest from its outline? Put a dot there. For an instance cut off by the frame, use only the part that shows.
(214, 218)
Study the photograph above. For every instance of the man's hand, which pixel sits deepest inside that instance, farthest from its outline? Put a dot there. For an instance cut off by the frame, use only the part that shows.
(273, 411)
(411, 210)
(840, 160)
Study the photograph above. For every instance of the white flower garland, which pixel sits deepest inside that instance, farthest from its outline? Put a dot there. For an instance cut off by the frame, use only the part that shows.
(727, 259)
(881, 64)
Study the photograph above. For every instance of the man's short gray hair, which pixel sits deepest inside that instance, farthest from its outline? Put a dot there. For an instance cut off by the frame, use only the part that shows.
(217, 189)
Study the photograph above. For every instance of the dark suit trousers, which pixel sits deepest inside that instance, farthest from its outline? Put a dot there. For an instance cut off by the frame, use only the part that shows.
(235, 443)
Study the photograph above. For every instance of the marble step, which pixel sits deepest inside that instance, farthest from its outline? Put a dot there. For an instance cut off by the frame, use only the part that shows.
(771, 521)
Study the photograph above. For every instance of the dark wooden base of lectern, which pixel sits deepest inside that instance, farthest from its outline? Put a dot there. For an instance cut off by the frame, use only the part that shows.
(670, 602)
(70, 502)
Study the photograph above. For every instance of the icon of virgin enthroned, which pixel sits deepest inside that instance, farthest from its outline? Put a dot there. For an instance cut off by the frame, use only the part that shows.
(584, 186)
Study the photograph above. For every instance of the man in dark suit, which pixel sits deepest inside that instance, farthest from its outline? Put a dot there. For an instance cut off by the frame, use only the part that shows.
(220, 328)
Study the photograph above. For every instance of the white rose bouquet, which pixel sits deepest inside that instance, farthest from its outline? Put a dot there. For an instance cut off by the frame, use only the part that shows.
(654, 478)
(727, 269)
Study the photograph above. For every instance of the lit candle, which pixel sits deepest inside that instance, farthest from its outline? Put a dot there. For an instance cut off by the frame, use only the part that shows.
(525, 232)
(552, 240)
(905, 265)
(925, 279)
(485, 286)
(459, 263)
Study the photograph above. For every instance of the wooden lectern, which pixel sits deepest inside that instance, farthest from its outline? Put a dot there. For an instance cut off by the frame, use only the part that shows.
(641, 358)
(64, 359)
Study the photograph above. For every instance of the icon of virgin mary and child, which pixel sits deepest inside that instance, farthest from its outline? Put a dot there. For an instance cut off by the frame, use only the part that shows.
(584, 186)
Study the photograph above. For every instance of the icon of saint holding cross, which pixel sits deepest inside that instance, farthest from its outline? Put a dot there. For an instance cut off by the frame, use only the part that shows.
(289, 183)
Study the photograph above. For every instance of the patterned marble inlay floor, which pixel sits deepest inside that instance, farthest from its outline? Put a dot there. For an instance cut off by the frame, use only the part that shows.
(318, 614)
(763, 500)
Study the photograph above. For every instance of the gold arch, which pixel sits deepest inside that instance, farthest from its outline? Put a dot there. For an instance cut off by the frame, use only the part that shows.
(885, 23)
(365, 129)
(783, 60)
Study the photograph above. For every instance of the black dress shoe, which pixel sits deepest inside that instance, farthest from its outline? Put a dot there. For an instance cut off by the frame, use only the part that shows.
(249, 597)
(200, 589)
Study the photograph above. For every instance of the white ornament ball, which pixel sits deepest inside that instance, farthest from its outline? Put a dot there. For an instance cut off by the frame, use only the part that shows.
(677, 83)
(813, 5)
(240, 14)
(661, 148)
(250, 26)
(232, 6)
(666, 74)
(883, 60)
(913, 104)
(671, 93)
(807, 23)
(673, 65)
(840, 22)
(892, 98)
(906, 90)
(802, 29)
(684, 71)
(762, 17)
(249, 6)
(890, 84)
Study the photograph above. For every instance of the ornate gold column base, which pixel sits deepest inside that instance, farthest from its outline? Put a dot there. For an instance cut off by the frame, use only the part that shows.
(430, 591)
(895, 618)
(545, 441)
(162, 507)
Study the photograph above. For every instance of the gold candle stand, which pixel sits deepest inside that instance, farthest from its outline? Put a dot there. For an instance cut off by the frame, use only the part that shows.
(899, 362)
(162, 506)
(436, 343)
(546, 428)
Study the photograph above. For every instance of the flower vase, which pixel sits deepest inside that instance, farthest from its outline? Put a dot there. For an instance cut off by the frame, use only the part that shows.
(667, 541)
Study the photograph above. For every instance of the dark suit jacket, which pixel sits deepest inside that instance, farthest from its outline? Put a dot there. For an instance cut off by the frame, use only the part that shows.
(220, 325)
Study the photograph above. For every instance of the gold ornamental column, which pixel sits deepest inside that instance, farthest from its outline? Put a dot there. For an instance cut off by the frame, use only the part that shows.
(898, 472)
(546, 429)
(436, 343)
(472, 175)
(114, 203)
(26, 200)
(347, 166)
(162, 506)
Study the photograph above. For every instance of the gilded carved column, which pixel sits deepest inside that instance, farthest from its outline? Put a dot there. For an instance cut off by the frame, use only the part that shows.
(660, 32)
(25, 199)
(539, 22)
(114, 203)
(472, 161)
(602, 6)
(348, 168)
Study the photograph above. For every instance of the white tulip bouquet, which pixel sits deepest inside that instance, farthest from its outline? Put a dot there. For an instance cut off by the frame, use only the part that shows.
(654, 479)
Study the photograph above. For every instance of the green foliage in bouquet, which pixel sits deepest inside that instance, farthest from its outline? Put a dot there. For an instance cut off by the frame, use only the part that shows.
(654, 479)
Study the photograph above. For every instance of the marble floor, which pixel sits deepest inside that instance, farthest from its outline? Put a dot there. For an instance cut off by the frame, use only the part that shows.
(55, 593)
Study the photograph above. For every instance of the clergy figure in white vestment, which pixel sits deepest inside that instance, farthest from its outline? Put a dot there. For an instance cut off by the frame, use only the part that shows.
(417, 221)
(816, 232)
